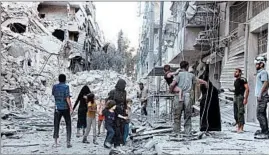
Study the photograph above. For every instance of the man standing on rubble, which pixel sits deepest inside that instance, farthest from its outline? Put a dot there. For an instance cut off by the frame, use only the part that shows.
(143, 95)
(185, 81)
(241, 92)
(261, 92)
(63, 108)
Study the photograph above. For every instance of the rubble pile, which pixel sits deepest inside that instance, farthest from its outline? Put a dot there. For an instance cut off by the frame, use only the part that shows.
(33, 58)
(18, 9)
(26, 68)
(100, 82)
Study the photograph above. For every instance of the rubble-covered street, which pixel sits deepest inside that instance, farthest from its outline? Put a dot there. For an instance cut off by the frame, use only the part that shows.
(34, 136)
(40, 40)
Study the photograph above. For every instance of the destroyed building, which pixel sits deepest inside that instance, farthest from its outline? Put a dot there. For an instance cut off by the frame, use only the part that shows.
(39, 41)
(82, 31)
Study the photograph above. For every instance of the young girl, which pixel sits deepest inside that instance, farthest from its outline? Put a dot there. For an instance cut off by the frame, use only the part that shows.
(91, 119)
(101, 117)
(126, 126)
(109, 113)
(169, 76)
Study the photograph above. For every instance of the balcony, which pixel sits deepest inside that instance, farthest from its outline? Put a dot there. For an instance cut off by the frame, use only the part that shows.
(202, 42)
(170, 33)
(201, 17)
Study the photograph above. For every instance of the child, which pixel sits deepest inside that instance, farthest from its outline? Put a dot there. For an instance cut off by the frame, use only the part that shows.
(109, 113)
(91, 119)
(169, 76)
(101, 117)
(126, 126)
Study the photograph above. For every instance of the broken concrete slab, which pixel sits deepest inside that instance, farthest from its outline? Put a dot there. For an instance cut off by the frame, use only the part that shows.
(155, 132)
(162, 126)
(139, 138)
(8, 132)
(44, 129)
(20, 145)
(150, 144)
(21, 20)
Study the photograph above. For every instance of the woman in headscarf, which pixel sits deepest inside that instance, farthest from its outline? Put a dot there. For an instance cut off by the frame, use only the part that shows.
(210, 119)
(82, 109)
(119, 96)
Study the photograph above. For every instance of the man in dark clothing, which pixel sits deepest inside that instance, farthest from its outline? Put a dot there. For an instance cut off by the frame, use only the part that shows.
(241, 92)
(119, 96)
(63, 108)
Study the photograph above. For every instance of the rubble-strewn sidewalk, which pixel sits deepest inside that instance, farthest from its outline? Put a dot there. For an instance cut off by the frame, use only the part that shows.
(150, 138)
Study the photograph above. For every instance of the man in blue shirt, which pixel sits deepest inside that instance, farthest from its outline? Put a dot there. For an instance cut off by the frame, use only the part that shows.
(261, 92)
(63, 108)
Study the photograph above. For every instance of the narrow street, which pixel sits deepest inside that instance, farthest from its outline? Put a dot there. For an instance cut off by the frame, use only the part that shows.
(34, 141)
(142, 56)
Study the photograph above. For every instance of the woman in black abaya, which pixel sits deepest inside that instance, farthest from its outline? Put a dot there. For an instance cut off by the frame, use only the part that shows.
(209, 105)
(82, 109)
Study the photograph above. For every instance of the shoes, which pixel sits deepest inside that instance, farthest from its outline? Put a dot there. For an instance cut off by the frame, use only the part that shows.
(85, 141)
(94, 142)
(261, 136)
(107, 145)
(257, 132)
(69, 145)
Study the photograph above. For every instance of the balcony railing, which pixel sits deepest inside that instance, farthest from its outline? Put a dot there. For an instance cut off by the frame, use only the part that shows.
(200, 20)
(202, 42)
(204, 15)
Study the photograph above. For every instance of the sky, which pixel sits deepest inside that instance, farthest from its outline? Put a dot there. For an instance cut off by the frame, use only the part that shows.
(113, 16)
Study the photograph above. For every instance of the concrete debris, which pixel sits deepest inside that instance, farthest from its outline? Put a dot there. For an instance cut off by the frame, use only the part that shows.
(19, 145)
(31, 51)
(38, 45)
(8, 132)
(150, 144)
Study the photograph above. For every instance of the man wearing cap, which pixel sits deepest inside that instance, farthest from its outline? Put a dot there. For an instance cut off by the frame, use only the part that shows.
(261, 92)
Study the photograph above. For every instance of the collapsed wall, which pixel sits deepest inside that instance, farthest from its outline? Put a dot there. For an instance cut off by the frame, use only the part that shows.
(33, 58)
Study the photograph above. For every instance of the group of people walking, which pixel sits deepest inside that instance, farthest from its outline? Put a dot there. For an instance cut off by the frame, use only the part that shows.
(114, 112)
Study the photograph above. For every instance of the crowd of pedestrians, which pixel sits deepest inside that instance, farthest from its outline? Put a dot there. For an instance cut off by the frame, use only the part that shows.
(114, 112)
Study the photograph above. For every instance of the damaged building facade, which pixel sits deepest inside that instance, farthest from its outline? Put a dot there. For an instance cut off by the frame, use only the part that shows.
(76, 24)
(39, 41)
(246, 37)
(227, 35)
(187, 27)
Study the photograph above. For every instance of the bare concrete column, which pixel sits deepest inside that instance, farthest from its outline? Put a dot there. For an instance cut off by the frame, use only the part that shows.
(252, 102)
(226, 52)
